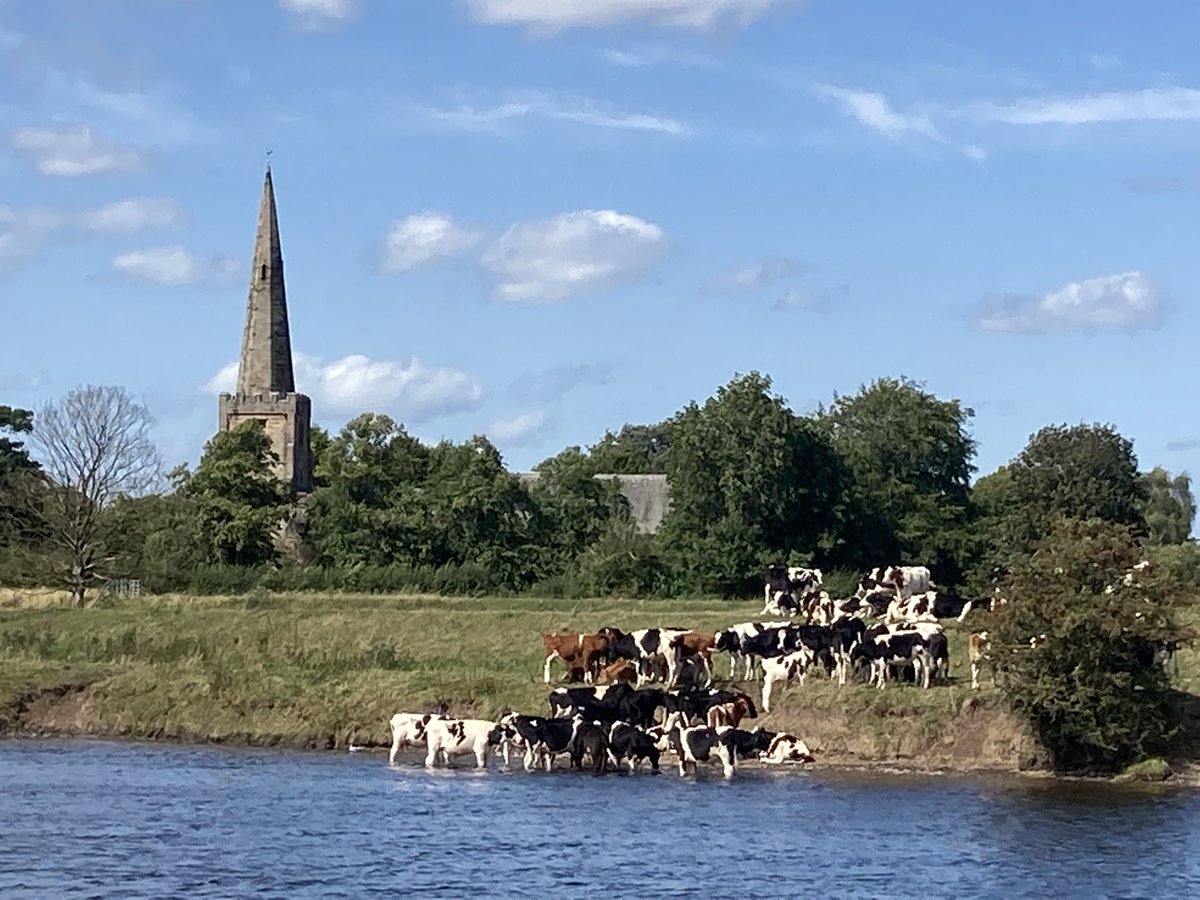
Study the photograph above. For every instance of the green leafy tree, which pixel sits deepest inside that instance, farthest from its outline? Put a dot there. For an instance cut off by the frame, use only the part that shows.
(909, 458)
(1168, 506)
(369, 505)
(19, 532)
(750, 481)
(13, 455)
(634, 450)
(576, 505)
(1075, 647)
(1065, 472)
(238, 501)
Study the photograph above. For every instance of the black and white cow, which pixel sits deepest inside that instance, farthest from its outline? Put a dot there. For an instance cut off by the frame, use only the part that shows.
(543, 738)
(695, 705)
(563, 700)
(622, 703)
(447, 738)
(743, 642)
(699, 744)
(650, 649)
(408, 729)
(589, 739)
(785, 748)
(632, 744)
(903, 581)
(788, 589)
(893, 650)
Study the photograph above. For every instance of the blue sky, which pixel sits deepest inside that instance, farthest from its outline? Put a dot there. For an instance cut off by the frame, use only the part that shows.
(541, 219)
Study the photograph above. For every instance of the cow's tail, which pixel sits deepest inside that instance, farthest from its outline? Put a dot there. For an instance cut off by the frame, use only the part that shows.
(965, 610)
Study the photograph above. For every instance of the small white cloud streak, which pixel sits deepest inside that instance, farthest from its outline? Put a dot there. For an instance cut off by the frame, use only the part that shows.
(520, 431)
(425, 238)
(572, 253)
(73, 151)
(538, 105)
(409, 389)
(550, 16)
(1128, 301)
(875, 112)
(315, 14)
(175, 267)
(749, 276)
(1166, 104)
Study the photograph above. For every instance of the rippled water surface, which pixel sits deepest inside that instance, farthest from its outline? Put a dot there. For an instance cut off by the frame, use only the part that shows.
(90, 818)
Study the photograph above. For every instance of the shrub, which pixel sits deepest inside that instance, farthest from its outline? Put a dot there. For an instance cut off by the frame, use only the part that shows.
(1074, 647)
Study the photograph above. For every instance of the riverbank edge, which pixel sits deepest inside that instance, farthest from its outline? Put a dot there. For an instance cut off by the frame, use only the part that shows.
(38, 714)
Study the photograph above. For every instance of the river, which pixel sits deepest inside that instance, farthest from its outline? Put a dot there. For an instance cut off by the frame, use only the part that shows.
(94, 818)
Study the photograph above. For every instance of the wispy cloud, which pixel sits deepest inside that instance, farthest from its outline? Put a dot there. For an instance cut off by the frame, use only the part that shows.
(73, 151)
(1163, 104)
(1128, 301)
(176, 267)
(571, 254)
(821, 301)
(550, 16)
(1153, 184)
(320, 14)
(424, 239)
(1183, 445)
(520, 431)
(408, 389)
(750, 276)
(644, 55)
(483, 117)
(551, 385)
(875, 112)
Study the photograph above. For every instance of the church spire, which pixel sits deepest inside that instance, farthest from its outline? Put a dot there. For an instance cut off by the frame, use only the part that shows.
(266, 363)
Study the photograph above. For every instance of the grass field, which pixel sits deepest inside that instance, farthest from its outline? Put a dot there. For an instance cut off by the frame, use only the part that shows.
(311, 670)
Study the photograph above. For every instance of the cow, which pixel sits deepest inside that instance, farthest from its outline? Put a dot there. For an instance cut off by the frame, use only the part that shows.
(817, 639)
(698, 744)
(447, 738)
(789, 588)
(977, 650)
(896, 649)
(563, 699)
(650, 649)
(731, 712)
(621, 671)
(693, 646)
(793, 666)
(693, 706)
(576, 651)
(739, 642)
(931, 606)
(543, 738)
(628, 742)
(408, 729)
(589, 739)
(617, 703)
(764, 645)
(785, 748)
(904, 581)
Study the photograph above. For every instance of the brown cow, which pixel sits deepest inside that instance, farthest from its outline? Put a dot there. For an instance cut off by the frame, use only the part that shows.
(730, 713)
(577, 652)
(621, 670)
(977, 650)
(694, 645)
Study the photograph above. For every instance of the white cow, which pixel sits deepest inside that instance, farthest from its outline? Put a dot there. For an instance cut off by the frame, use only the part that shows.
(787, 748)
(792, 667)
(408, 729)
(904, 580)
(447, 738)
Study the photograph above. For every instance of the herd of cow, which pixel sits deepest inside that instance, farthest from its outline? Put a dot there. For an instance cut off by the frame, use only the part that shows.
(614, 719)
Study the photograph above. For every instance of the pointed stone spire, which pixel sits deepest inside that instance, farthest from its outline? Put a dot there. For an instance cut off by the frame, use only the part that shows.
(266, 363)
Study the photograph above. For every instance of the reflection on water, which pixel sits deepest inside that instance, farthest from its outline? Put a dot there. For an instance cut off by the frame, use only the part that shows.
(83, 818)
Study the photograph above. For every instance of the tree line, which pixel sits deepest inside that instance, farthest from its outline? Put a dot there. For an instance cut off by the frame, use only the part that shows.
(881, 476)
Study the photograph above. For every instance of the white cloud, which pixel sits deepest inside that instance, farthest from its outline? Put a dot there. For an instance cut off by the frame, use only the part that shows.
(749, 276)
(132, 215)
(534, 104)
(176, 267)
(1128, 301)
(1104, 61)
(874, 111)
(1166, 104)
(558, 15)
(550, 385)
(521, 431)
(73, 151)
(409, 390)
(572, 253)
(320, 13)
(425, 238)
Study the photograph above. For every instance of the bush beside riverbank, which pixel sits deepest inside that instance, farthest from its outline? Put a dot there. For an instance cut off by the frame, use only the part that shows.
(325, 671)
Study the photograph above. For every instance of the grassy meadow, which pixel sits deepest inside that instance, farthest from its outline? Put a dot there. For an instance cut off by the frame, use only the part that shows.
(324, 671)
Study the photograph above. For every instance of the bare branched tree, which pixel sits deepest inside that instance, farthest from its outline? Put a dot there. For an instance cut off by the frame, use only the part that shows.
(94, 446)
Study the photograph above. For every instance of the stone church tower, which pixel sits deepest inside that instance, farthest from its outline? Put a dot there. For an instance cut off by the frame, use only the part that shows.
(266, 388)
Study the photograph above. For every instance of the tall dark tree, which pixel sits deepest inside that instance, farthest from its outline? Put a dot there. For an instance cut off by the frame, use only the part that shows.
(94, 446)
(1169, 506)
(13, 455)
(909, 455)
(238, 500)
(18, 519)
(750, 481)
(577, 505)
(634, 450)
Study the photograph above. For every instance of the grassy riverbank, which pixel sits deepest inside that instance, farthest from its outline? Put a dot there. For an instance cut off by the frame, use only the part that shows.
(308, 670)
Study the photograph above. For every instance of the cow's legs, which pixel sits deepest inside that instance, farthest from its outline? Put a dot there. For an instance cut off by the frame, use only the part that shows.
(974, 675)
(546, 670)
(396, 739)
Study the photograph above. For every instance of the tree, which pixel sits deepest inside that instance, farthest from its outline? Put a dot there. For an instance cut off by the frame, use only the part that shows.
(237, 501)
(1168, 506)
(750, 482)
(13, 455)
(909, 457)
(18, 519)
(635, 450)
(1065, 472)
(577, 506)
(94, 446)
(1075, 647)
